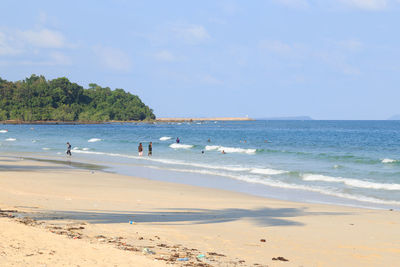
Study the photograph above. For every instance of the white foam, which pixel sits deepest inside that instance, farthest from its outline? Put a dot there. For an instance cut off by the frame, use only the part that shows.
(232, 149)
(250, 179)
(178, 146)
(92, 140)
(11, 139)
(3, 131)
(199, 165)
(279, 184)
(165, 138)
(350, 182)
(267, 171)
(85, 149)
(46, 148)
(389, 161)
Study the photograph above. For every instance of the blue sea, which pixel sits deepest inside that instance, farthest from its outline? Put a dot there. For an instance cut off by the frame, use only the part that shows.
(353, 163)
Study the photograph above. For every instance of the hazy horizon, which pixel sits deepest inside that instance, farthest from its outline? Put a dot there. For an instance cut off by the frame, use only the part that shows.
(330, 60)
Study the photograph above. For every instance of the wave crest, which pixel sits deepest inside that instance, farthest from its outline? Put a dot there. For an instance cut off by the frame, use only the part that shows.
(389, 161)
(267, 171)
(165, 138)
(350, 182)
(92, 140)
(232, 149)
(179, 146)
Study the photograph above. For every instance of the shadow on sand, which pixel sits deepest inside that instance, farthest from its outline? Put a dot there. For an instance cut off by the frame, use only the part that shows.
(61, 165)
(260, 217)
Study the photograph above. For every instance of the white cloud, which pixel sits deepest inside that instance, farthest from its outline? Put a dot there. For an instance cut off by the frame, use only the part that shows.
(294, 3)
(211, 80)
(113, 58)
(43, 38)
(58, 58)
(229, 7)
(192, 34)
(276, 46)
(164, 55)
(367, 4)
(337, 61)
(351, 44)
(332, 54)
(292, 51)
(6, 46)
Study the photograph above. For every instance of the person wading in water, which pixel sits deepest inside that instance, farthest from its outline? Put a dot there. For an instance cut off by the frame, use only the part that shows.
(150, 149)
(69, 149)
(140, 149)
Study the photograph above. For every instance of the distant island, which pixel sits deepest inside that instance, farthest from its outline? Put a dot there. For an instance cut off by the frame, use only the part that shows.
(395, 117)
(294, 118)
(36, 99)
(204, 119)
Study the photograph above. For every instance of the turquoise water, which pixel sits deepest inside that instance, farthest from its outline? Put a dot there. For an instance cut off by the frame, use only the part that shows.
(343, 160)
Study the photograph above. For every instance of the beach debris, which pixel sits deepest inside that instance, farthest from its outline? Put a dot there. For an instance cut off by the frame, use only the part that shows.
(28, 221)
(216, 254)
(7, 213)
(279, 259)
(262, 240)
(131, 222)
(182, 259)
(75, 228)
(200, 256)
(148, 251)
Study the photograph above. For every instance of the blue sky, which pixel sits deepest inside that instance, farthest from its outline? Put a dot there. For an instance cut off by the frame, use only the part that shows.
(329, 59)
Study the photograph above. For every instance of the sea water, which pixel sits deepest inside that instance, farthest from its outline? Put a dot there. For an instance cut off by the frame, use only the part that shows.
(343, 162)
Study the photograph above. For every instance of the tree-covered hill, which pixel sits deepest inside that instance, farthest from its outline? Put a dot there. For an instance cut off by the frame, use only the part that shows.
(38, 99)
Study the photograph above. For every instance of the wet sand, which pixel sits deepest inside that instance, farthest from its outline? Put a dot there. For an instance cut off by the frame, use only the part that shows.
(57, 215)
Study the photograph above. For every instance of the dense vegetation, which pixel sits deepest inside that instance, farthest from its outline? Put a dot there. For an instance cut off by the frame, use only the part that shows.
(37, 99)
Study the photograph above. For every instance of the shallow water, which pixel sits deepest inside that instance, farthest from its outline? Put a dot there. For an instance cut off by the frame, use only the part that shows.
(343, 160)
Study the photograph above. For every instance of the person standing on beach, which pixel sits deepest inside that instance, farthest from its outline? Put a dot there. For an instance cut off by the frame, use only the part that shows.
(150, 149)
(69, 149)
(140, 149)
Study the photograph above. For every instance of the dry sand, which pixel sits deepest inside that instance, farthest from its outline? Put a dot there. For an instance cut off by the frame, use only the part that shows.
(81, 217)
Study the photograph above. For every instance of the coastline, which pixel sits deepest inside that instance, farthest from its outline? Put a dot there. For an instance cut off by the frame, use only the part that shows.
(204, 119)
(193, 119)
(170, 216)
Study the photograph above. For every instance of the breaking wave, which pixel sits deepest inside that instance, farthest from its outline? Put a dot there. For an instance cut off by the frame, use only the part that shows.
(179, 146)
(350, 182)
(92, 140)
(232, 149)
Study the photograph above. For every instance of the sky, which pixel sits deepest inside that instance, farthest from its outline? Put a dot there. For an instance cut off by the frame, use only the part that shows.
(328, 59)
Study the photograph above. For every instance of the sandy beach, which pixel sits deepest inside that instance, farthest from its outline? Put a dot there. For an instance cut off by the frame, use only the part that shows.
(55, 215)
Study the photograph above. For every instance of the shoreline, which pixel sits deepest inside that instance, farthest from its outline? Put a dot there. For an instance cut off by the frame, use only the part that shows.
(225, 183)
(193, 119)
(196, 119)
(176, 220)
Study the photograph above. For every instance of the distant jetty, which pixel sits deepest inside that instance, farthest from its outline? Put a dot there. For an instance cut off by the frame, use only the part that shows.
(204, 119)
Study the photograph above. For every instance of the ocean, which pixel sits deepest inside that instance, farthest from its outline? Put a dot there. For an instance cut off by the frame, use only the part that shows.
(353, 163)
